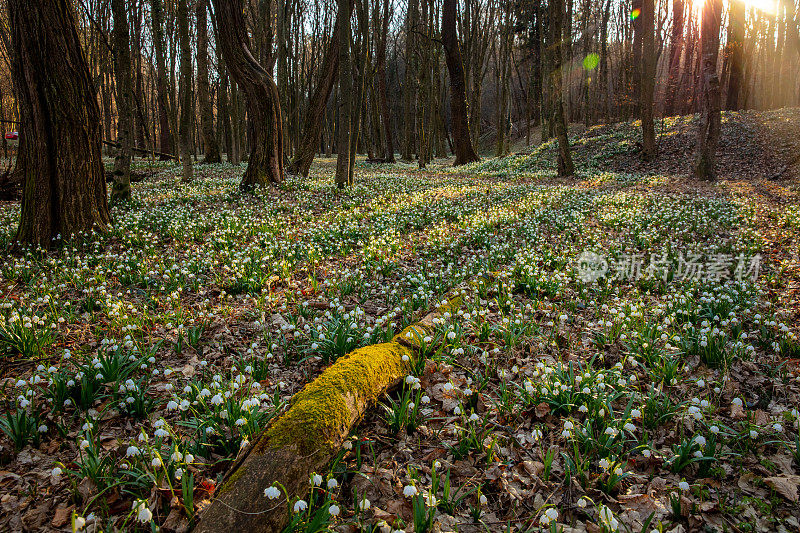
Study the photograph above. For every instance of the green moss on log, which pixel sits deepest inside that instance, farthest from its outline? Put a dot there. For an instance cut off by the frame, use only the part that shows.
(235, 475)
(450, 307)
(325, 408)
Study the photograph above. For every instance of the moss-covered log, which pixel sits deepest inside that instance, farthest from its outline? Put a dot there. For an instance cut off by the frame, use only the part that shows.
(303, 440)
(309, 435)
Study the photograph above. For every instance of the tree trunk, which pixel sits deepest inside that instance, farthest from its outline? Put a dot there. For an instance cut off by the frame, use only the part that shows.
(361, 54)
(212, 154)
(422, 122)
(344, 124)
(539, 60)
(236, 126)
(282, 70)
(603, 102)
(774, 91)
(265, 164)
(676, 48)
(223, 110)
(708, 133)
(465, 153)
(187, 96)
(503, 83)
(647, 79)
(556, 12)
(409, 84)
(166, 141)
(121, 188)
(312, 127)
(3, 118)
(536, 77)
(60, 158)
(140, 123)
(384, 100)
(734, 54)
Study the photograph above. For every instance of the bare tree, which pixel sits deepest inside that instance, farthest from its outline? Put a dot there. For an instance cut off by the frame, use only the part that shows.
(708, 132)
(676, 49)
(382, 92)
(343, 127)
(166, 141)
(556, 12)
(187, 94)
(121, 189)
(312, 126)
(647, 78)
(410, 83)
(462, 143)
(212, 154)
(734, 54)
(265, 165)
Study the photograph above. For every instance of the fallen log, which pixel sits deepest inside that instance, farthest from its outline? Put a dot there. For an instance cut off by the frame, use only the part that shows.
(162, 155)
(309, 435)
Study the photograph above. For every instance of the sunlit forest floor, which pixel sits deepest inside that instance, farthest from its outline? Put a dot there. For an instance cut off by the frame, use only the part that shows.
(625, 358)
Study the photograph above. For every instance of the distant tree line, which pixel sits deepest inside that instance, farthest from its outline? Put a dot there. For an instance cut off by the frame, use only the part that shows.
(276, 82)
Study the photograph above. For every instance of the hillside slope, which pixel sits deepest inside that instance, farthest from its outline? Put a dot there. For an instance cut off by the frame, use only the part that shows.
(753, 144)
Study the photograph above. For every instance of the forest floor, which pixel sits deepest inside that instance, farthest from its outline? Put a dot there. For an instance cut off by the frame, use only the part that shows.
(625, 357)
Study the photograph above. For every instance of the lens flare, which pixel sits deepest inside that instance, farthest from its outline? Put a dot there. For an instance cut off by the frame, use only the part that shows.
(635, 14)
(767, 6)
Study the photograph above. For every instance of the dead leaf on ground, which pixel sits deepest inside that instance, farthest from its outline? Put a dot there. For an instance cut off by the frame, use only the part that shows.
(61, 516)
(786, 486)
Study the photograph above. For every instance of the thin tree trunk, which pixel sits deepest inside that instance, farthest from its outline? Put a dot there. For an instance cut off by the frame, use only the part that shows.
(282, 70)
(537, 63)
(212, 154)
(223, 110)
(304, 156)
(734, 53)
(140, 123)
(774, 91)
(603, 107)
(166, 141)
(465, 153)
(708, 133)
(60, 159)
(503, 83)
(647, 79)
(344, 124)
(676, 48)
(424, 131)
(361, 53)
(384, 99)
(3, 118)
(236, 126)
(187, 96)
(410, 84)
(121, 188)
(556, 11)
